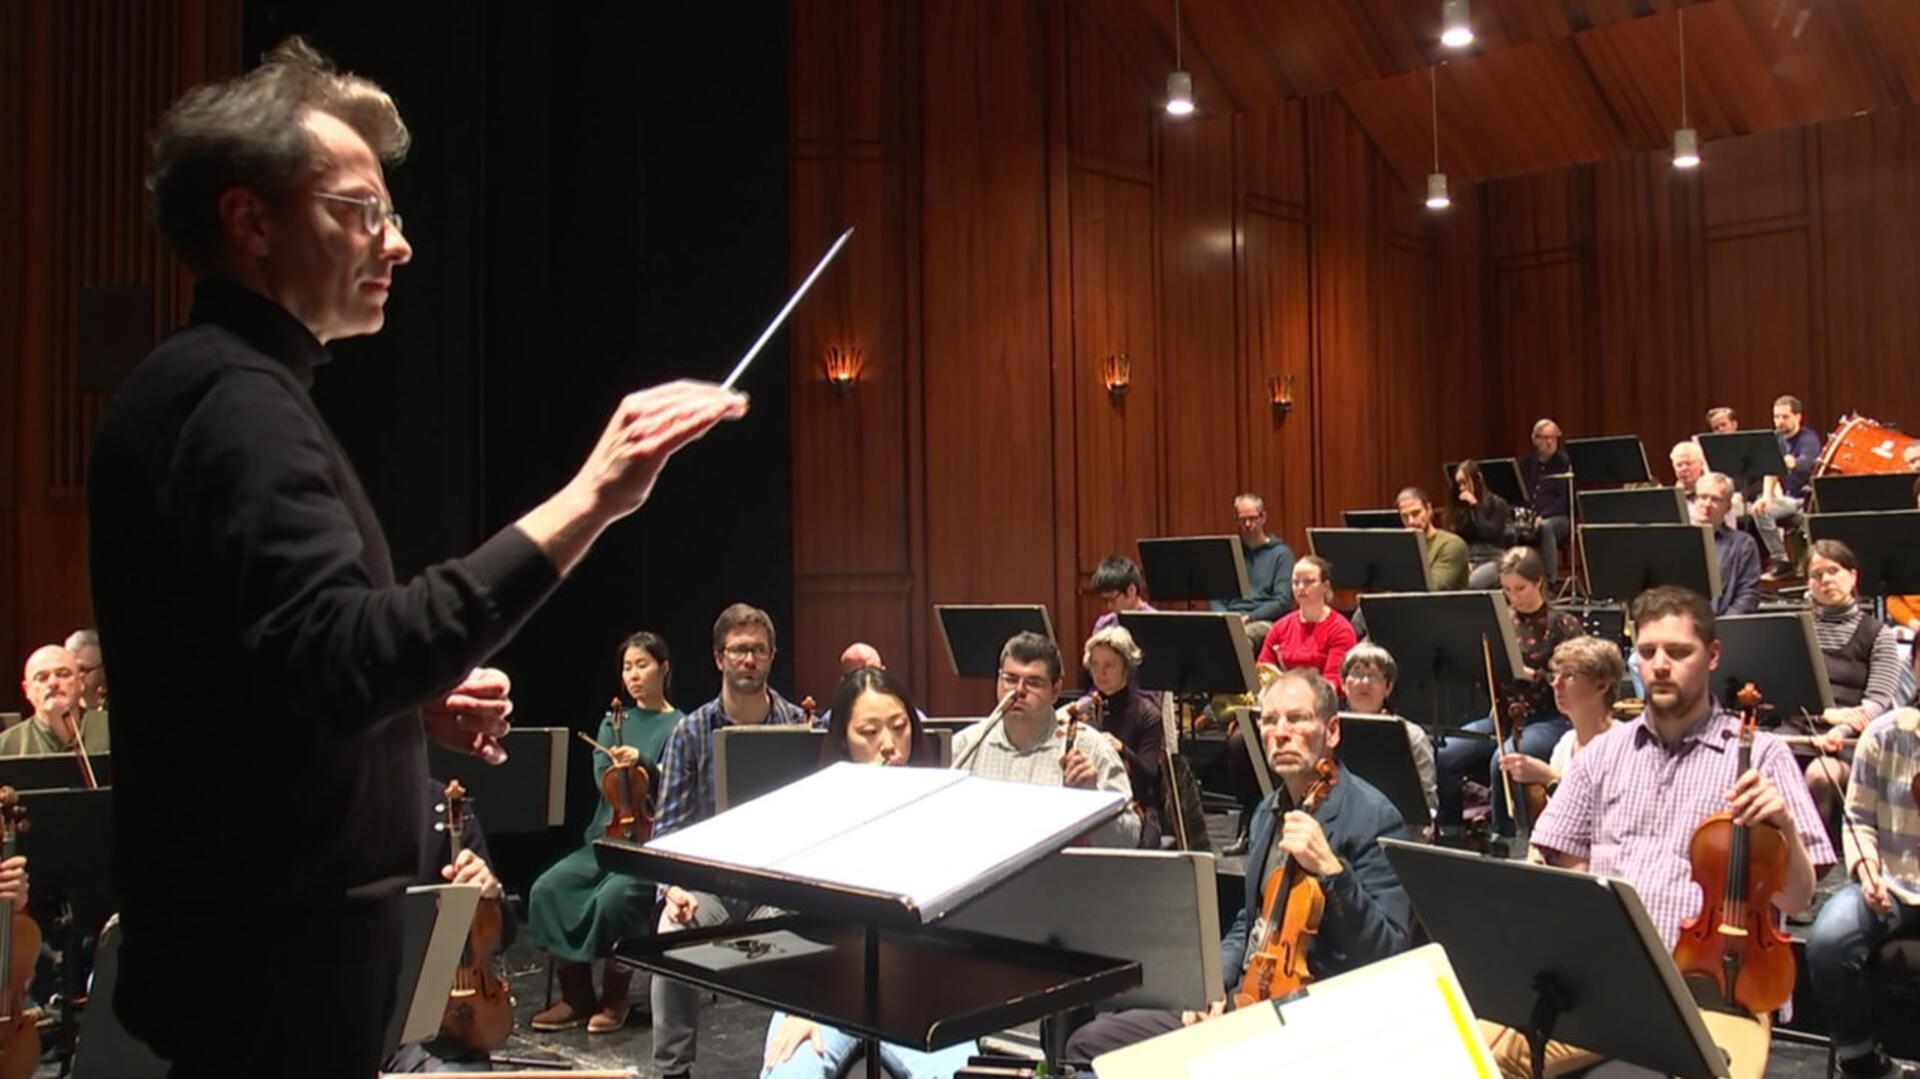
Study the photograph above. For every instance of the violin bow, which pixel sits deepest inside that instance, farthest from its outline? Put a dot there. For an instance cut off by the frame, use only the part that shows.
(1499, 738)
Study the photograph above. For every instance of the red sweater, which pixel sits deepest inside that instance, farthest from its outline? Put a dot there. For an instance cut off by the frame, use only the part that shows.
(1320, 645)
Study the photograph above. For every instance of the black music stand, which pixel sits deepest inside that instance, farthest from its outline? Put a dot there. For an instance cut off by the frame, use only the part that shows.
(69, 877)
(1778, 652)
(1502, 475)
(1371, 519)
(1887, 546)
(52, 771)
(1435, 641)
(1744, 455)
(974, 633)
(1377, 749)
(1633, 506)
(1193, 653)
(1194, 568)
(1625, 560)
(1609, 988)
(1373, 559)
(1862, 494)
(524, 795)
(1608, 460)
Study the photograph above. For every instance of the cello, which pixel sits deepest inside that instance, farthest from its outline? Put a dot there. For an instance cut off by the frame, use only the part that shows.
(1733, 953)
(479, 1012)
(1291, 905)
(19, 952)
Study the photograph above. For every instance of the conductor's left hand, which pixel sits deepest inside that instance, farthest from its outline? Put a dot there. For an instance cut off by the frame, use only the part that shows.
(472, 718)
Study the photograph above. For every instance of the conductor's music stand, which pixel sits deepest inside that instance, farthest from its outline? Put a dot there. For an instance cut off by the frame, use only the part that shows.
(1625, 560)
(1608, 460)
(1373, 559)
(1610, 988)
(1778, 652)
(1633, 506)
(1887, 546)
(974, 633)
(1194, 568)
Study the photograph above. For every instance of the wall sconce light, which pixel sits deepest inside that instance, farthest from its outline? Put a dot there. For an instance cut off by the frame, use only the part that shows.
(1116, 374)
(843, 367)
(1280, 393)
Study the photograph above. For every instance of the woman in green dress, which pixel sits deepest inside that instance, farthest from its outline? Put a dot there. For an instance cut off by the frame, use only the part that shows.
(578, 911)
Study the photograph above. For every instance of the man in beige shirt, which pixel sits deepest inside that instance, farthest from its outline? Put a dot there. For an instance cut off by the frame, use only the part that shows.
(51, 682)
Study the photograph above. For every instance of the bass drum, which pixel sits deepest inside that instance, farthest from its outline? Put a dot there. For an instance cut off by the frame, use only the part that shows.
(1860, 446)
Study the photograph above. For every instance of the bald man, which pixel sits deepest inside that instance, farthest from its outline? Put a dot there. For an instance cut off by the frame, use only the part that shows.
(860, 654)
(51, 681)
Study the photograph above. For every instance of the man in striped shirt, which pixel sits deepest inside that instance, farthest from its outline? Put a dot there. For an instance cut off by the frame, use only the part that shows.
(1882, 840)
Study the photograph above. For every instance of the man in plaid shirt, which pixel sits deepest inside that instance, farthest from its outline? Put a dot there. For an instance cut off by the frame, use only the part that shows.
(1882, 840)
(743, 649)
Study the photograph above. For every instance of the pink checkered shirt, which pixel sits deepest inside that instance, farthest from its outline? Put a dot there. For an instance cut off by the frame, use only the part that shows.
(1629, 806)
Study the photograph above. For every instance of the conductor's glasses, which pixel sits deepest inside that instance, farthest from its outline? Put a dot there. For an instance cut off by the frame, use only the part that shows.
(375, 212)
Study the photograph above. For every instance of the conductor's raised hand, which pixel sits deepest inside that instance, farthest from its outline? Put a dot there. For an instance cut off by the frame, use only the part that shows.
(472, 717)
(647, 429)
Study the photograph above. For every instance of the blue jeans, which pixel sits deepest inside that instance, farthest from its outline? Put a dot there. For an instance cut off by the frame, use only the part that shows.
(1458, 757)
(899, 1061)
(1842, 939)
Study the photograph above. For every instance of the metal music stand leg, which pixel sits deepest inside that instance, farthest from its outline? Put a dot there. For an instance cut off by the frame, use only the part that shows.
(1548, 1003)
(872, 1045)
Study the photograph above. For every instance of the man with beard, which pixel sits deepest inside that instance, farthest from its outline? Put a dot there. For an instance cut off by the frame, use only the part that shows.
(743, 650)
(1367, 915)
(51, 681)
(1628, 806)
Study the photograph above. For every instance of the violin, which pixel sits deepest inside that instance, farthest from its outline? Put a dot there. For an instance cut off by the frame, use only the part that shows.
(479, 1011)
(19, 952)
(809, 709)
(628, 791)
(1533, 796)
(1732, 953)
(1291, 905)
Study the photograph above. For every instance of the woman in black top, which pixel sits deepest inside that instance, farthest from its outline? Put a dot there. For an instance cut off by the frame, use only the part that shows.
(1132, 722)
(1481, 518)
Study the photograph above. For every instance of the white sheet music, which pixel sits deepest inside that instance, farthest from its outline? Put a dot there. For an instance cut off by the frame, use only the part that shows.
(928, 835)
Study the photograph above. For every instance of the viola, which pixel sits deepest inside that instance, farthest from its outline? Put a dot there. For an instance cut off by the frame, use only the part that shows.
(1732, 953)
(628, 789)
(479, 1012)
(1291, 906)
(19, 951)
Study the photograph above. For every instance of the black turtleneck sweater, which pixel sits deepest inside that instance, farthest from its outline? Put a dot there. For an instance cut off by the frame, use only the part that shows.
(268, 670)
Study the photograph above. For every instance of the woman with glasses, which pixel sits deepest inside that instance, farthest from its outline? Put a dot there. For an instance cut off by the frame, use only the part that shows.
(578, 911)
(1586, 675)
(1366, 678)
(1130, 720)
(1313, 634)
(873, 722)
(1862, 659)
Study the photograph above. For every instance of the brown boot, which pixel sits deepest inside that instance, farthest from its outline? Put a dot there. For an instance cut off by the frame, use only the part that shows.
(613, 1000)
(576, 997)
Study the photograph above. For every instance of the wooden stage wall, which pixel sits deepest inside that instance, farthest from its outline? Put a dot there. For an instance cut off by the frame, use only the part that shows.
(1025, 210)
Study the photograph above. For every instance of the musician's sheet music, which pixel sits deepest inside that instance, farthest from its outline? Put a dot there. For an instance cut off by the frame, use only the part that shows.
(945, 835)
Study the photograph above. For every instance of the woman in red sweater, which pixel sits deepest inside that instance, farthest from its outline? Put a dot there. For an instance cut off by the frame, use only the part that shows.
(1313, 634)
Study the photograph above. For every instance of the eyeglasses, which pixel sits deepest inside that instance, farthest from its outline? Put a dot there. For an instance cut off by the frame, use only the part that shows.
(1032, 683)
(1364, 677)
(375, 212)
(747, 651)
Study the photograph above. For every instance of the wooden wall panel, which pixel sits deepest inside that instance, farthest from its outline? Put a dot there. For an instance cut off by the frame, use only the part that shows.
(1758, 337)
(1869, 183)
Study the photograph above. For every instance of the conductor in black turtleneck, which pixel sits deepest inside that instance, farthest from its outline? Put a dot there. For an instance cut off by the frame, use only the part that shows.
(274, 684)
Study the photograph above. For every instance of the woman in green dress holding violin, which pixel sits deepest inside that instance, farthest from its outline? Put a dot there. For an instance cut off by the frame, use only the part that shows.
(578, 911)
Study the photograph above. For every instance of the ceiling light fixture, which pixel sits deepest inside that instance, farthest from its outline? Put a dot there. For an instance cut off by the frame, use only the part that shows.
(1437, 198)
(1456, 26)
(1686, 141)
(1179, 82)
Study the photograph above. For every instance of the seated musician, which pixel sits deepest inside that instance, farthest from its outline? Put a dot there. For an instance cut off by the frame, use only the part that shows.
(1544, 476)
(1446, 552)
(85, 646)
(1269, 565)
(1628, 805)
(51, 682)
(1313, 634)
(1713, 502)
(1862, 660)
(1482, 519)
(1586, 675)
(743, 651)
(1130, 719)
(1366, 678)
(1722, 421)
(1528, 718)
(1781, 498)
(473, 866)
(1027, 746)
(578, 911)
(1882, 843)
(874, 723)
(1367, 915)
(1121, 586)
